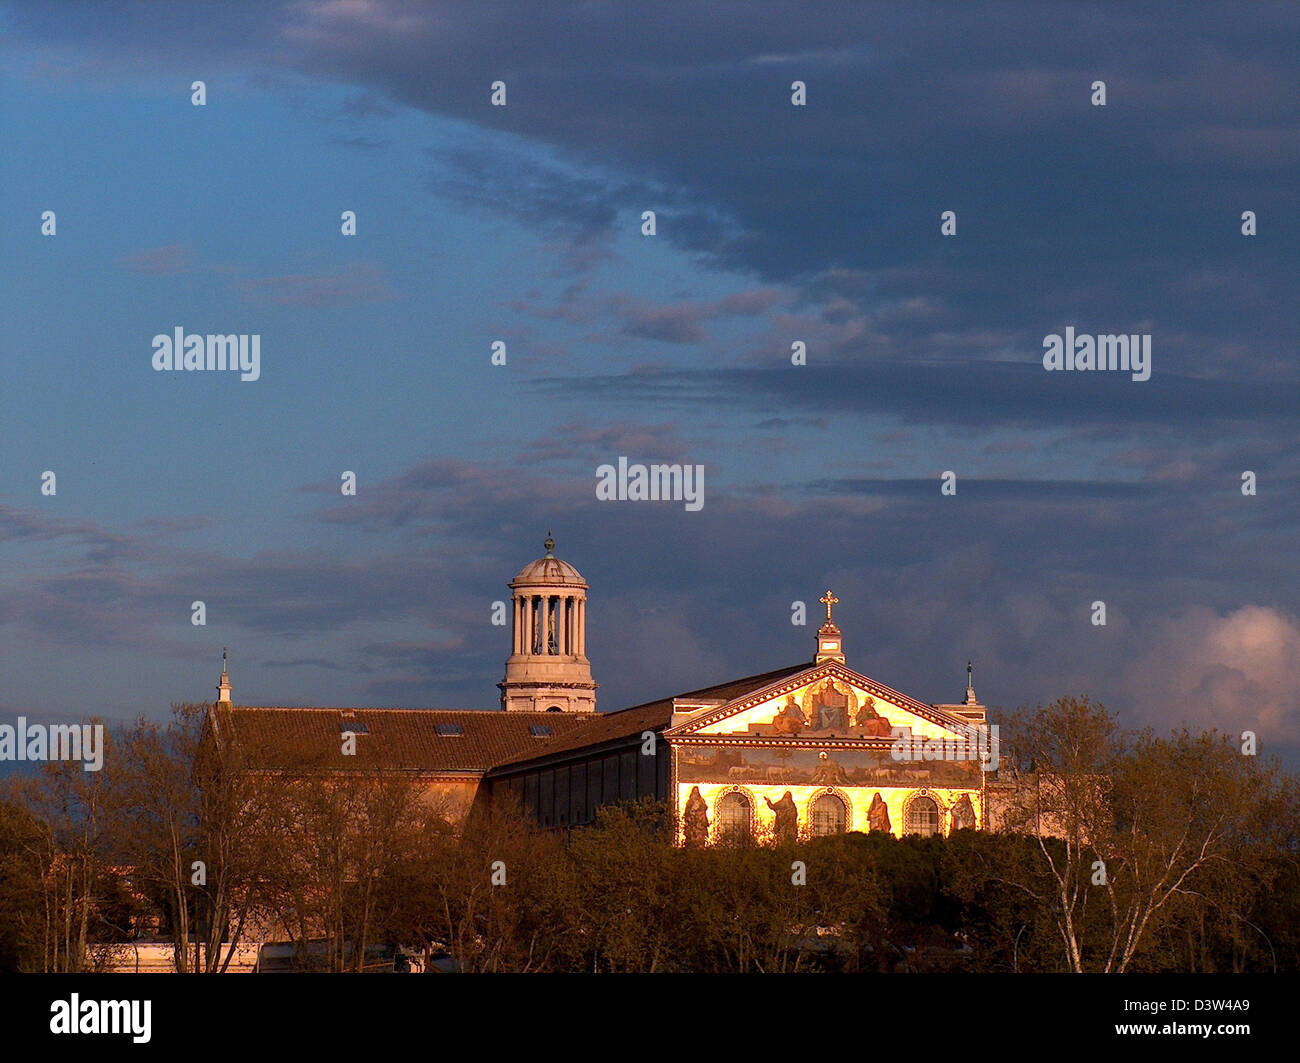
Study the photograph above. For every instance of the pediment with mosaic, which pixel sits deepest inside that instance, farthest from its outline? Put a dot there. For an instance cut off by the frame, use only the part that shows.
(827, 701)
(827, 707)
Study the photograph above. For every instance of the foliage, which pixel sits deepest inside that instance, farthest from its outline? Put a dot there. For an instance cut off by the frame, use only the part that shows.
(1199, 847)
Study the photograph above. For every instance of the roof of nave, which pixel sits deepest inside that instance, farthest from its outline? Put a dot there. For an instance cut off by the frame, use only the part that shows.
(442, 740)
(602, 727)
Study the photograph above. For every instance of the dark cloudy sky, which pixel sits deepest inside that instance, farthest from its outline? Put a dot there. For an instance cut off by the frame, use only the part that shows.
(775, 224)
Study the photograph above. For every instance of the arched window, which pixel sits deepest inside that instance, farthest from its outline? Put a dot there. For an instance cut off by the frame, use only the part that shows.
(828, 815)
(553, 625)
(922, 817)
(733, 816)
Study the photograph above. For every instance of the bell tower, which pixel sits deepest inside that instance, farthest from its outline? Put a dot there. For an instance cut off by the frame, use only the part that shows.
(548, 670)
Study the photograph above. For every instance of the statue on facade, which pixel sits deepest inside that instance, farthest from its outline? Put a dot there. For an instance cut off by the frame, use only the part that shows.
(786, 827)
(790, 720)
(878, 815)
(830, 707)
(871, 721)
(695, 819)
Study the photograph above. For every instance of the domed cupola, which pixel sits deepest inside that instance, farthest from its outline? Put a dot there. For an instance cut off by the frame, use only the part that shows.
(548, 670)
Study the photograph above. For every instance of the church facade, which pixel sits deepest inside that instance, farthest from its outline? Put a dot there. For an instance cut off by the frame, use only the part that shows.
(814, 748)
(827, 750)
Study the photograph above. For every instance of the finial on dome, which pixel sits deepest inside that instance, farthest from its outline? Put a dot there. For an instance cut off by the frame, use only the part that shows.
(549, 544)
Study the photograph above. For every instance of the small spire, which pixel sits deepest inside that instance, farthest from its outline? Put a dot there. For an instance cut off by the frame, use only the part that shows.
(970, 685)
(549, 544)
(223, 689)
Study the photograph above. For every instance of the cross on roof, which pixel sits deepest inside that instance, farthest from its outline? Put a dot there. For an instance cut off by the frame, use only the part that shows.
(828, 599)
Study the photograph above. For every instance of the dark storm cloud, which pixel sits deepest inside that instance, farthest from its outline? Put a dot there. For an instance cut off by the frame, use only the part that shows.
(1122, 213)
(1003, 571)
(987, 394)
(1117, 219)
(1063, 207)
(987, 490)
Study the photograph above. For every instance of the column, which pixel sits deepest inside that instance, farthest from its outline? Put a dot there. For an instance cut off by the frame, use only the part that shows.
(582, 626)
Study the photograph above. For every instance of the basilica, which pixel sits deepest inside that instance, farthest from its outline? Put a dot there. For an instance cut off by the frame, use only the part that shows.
(813, 748)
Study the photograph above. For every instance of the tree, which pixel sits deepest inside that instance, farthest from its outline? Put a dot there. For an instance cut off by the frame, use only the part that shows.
(625, 876)
(73, 806)
(1131, 830)
(24, 856)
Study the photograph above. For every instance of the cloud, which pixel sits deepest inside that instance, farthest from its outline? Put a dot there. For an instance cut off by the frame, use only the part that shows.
(681, 322)
(349, 285)
(397, 608)
(613, 109)
(824, 222)
(352, 285)
(1234, 672)
(168, 261)
(1020, 394)
(594, 445)
(32, 526)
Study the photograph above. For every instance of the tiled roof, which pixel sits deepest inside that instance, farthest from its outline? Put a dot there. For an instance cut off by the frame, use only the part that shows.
(394, 739)
(653, 715)
(598, 728)
(285, 737)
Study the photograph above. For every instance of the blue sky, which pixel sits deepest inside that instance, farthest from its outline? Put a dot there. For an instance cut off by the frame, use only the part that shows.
(775, 223)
